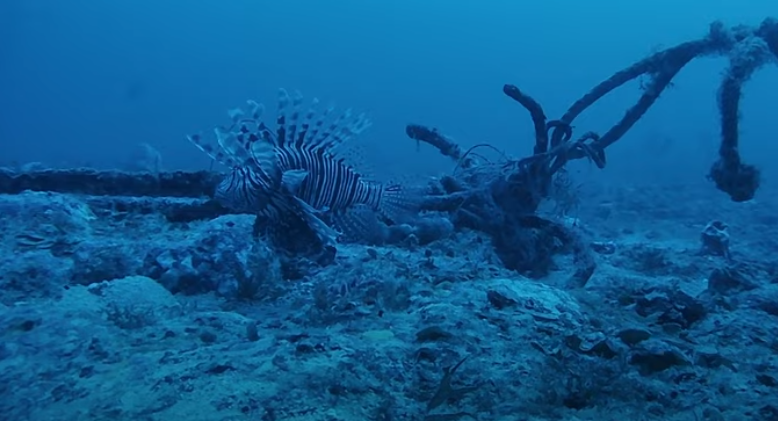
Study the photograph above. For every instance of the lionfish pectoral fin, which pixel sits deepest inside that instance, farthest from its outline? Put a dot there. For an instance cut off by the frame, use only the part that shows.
(264, 155)
(326, 234)
(292, 179)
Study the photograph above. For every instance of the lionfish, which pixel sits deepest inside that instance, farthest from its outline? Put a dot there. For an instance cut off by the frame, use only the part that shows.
(300, 169)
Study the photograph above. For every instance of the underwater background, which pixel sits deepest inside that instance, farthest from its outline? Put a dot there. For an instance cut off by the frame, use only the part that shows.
(640, 290)
(104, 76)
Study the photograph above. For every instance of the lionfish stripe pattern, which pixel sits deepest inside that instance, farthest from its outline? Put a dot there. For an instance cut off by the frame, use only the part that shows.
(298, 166)
(255, 184)
(332, 184)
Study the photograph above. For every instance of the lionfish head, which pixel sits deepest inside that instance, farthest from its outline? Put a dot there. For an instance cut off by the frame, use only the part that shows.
(240, 191)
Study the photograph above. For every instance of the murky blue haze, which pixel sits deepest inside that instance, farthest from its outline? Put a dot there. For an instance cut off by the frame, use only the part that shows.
(86, 81)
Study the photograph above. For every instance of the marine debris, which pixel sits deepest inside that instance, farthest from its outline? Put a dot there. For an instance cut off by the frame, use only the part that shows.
(746, 48)
(498, 197)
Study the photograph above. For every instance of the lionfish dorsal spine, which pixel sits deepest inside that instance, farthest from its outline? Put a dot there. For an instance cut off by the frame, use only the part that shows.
(322, 118)
(256, 109)
(306, 125)
(291, 129)
(214, 151)
(283, 104)
(233, 146)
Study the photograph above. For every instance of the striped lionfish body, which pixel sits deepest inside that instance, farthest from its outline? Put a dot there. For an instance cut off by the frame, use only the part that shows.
(255, 185)
(302, 154)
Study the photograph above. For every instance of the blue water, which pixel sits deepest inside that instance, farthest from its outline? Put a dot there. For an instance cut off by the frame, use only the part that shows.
(85, 81)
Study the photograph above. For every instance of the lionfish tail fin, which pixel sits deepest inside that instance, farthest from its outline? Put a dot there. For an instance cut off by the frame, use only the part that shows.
(360, 224)
(400, 201)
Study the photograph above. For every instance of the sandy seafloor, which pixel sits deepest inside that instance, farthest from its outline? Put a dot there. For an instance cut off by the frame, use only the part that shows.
(662, 331)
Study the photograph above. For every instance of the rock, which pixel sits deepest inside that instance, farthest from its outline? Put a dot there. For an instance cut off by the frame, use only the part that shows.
(729, 280)
(135, 302)
(604, 247)
(715, 239)
(654, 356)
(633, 336)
